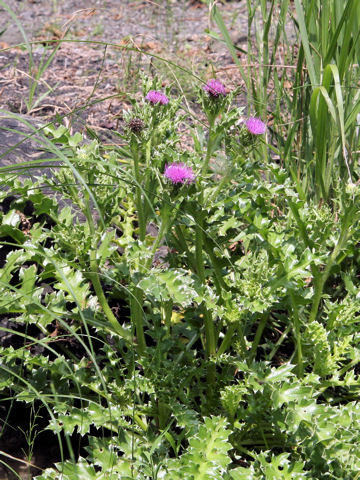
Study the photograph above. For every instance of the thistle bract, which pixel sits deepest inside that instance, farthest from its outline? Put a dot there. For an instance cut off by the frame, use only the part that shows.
(179, 173)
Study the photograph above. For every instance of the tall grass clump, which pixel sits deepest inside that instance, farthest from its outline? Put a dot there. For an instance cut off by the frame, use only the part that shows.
(301, 70)
(184, 303)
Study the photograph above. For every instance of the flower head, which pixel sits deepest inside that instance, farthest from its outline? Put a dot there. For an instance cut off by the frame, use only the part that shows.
(215, 88)
(255, 126)
(179, 173)
(156, 97)
(136, 125)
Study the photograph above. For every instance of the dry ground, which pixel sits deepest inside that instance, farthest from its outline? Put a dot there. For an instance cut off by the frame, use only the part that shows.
(84, 70)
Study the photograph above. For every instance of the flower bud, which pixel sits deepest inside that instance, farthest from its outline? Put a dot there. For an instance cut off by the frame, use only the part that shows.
(136, 125)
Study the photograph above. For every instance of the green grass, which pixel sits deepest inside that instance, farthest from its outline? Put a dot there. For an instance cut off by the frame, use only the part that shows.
(315, 106)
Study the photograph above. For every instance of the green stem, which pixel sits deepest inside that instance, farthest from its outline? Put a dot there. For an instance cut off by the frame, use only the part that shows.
(301, 225)
(210, 390)
(208, 150)
(279, 342)
(136, 309)
(213, 194)
(164, 413)
(210, 339)
(348, 367)
(187, 348)
(94, 277)
(140, 422)
(216, 265)
(297, 334)
(136, 294)
(199, 246)
(210, 345)
(139, 203)
(181, 241)
(257, 338)
(228, 339)
(166, 311)
(137, 297)
(148, 176)
(102, 299)
(322, 278)
(163, 227)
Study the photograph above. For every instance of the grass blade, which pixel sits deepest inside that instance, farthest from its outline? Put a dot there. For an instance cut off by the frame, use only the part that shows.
(305, 43)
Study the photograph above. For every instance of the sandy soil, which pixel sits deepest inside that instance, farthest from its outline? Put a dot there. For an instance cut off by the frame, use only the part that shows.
(85, 71)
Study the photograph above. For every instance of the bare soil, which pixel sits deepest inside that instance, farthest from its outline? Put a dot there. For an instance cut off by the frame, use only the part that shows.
(88, 82)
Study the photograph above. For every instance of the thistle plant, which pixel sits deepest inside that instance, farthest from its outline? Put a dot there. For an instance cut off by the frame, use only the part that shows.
(213, 309)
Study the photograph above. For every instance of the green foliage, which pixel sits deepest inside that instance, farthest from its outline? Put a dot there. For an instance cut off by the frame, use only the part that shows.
(174, 285)
(197, 330)
(207, 454)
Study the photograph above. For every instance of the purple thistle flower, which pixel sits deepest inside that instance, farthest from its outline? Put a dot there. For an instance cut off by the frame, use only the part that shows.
(255, 126)
(156, 97)
(215, 88)
(179, 173)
